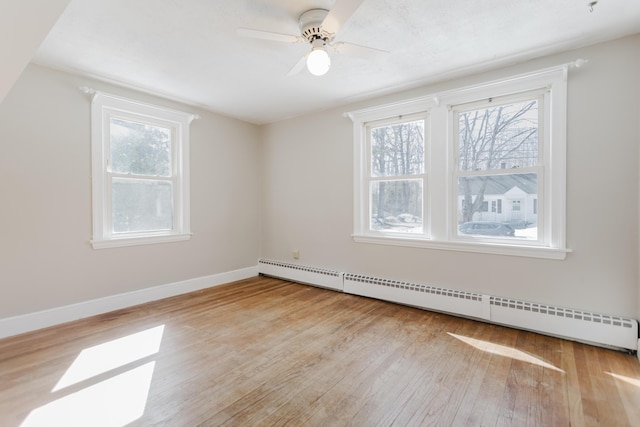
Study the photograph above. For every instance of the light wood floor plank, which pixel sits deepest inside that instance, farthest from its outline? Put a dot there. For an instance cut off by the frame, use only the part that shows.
(263, 351)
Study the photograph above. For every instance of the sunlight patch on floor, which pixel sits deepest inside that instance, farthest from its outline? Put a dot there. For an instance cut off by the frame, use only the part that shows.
(119, 399)
(110, 355)
(632, 381)
(505, 351)
(114, 402)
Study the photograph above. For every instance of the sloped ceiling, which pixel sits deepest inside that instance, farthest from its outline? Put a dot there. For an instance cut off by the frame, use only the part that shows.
(189, 50)
(21, 32)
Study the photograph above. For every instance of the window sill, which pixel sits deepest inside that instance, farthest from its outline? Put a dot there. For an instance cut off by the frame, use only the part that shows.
(136, 241)
(477, 247)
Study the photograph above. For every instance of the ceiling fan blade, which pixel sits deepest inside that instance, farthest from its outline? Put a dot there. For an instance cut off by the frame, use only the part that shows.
(299, 65)
(357, 50)
(339, 14)
(268, 35)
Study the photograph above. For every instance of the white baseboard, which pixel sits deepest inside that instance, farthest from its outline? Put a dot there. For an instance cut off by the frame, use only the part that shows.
(42, 319)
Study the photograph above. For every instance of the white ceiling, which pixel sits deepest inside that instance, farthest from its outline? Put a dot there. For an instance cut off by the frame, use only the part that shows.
(188, 50)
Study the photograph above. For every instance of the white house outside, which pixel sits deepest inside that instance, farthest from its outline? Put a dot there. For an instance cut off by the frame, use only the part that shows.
(509, 199)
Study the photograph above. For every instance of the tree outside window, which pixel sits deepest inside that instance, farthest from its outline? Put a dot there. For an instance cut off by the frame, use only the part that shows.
(397, 176)
(498, 155)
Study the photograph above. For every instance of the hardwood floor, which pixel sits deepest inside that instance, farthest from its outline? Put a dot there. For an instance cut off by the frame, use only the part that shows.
(268, 352)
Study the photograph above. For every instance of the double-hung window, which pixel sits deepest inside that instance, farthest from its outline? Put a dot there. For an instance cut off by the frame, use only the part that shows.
(499, 159)
(477, 169)
(140, 166)
(396, 175)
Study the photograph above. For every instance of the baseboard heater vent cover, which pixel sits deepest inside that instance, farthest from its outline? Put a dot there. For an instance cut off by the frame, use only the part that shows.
(424, 296)
(303, 274)
(565, 322)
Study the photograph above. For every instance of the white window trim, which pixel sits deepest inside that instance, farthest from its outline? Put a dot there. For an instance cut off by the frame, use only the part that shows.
(440, 161)
(103, 106)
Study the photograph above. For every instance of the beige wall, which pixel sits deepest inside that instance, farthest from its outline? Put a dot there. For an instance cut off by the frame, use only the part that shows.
(299, 174)
(307, 187)
(46, 260)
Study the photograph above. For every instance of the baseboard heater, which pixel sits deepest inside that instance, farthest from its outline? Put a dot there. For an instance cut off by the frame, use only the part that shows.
(302, 274)
(594, 328)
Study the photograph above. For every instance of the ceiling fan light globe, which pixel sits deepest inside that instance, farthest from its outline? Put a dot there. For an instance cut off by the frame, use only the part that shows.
(318, 62)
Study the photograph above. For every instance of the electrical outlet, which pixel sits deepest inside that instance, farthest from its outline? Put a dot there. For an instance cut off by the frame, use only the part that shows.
(296, 254)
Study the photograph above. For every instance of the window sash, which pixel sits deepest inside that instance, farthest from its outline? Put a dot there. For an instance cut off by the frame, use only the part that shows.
(410, 219)
(111, 151)
(537, 95)
(515, 210)
(135, 207)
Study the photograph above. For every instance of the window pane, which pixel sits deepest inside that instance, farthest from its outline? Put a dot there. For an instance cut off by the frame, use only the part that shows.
(398, 149)
(499, 137)
(140, 149)
(514, 205)
(396, 206)
(141, 205)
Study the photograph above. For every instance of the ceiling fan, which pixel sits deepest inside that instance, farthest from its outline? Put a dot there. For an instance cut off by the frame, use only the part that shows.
(319, 27)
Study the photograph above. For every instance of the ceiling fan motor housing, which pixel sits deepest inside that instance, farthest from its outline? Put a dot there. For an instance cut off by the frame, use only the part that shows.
(311, 25)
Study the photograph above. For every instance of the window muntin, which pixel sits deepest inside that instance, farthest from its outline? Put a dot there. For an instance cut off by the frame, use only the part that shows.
(396, 175)
(499, 158)
(140, 173)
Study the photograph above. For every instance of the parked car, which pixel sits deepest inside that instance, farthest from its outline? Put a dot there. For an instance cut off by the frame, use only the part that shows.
(483, 228)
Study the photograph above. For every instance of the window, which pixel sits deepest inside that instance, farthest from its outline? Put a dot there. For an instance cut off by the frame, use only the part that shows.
(498, 155)
(396, 175)
(140, 173)
(479, 169)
